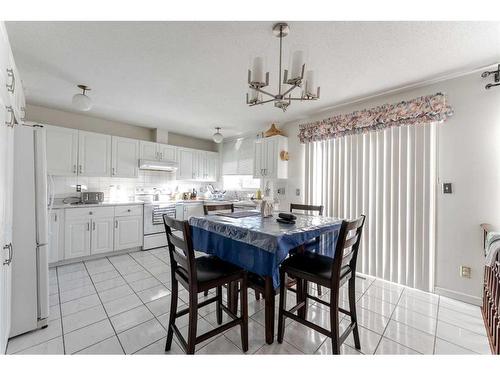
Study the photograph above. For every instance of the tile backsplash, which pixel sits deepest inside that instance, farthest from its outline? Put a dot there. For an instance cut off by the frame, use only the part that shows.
(120, 189)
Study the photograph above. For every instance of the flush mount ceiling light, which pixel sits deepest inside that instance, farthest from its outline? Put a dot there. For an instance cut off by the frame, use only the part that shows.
(217, 137)
(81, 101)
(291, 80)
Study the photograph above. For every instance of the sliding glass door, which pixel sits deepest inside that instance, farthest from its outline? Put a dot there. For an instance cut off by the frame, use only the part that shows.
(390, 176)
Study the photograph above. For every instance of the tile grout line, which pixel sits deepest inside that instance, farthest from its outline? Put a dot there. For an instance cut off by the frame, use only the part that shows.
(60, 311)
(105, 311)
(390, 318)
(435, 328)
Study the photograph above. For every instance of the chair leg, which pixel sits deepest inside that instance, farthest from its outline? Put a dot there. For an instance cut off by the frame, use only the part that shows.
(352, 309)
(244, 314)
(334, 320)
(218, 304)
(193, 321)
(282, 307)
(173, 311)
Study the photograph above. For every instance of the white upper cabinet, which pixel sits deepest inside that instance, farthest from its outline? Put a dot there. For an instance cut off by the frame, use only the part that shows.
(149, 150)
(157, 151)
(237, 157)
(267, 158)
(94, 154)
(62, 151)
(186, 159)
(167, 152)
(125, 156)
(212, 166)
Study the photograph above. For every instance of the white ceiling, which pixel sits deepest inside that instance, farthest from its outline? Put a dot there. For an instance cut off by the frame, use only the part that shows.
(188, 77)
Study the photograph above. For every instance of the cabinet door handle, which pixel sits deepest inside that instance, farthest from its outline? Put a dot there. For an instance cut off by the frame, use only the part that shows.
(55, 217)
(12, 86)
(11, 122)
(9, 259)
(93, 225)
(88, 226)
(80, 169)
(113, 171)
(116, 223)
(161, 155)
(74, 168)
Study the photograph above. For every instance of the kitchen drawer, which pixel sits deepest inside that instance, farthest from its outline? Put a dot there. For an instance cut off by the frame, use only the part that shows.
(89, 212)
(131, 210)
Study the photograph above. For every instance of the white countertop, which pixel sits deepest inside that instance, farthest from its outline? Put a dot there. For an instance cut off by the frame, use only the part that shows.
(103, 204)
(126, 203)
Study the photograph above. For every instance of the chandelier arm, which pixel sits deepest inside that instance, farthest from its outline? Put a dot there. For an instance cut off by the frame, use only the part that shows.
(263, 102)
(290, 89)
(303, 99)
(265, 92)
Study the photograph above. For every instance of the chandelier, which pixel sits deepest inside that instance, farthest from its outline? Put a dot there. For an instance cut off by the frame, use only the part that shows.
(257, 80)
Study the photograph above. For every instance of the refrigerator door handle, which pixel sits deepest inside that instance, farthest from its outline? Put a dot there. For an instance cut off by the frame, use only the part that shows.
(11, 251)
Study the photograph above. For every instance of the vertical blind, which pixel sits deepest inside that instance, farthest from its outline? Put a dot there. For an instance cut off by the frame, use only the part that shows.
(389, 176)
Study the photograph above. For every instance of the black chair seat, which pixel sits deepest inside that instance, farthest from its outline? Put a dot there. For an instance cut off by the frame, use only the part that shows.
(210, 268)
(313, 264)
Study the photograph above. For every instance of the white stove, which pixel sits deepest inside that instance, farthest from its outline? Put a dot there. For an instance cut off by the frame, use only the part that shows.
(154, 229)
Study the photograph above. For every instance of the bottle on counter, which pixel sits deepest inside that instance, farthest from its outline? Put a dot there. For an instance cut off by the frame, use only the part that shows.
(258, 194)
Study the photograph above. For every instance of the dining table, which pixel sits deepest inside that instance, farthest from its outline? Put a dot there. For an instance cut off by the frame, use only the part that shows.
(260, 244)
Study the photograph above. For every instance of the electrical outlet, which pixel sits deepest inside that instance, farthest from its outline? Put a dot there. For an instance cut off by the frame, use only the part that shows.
(465, 272)
(281, 191)
(297, 192)
(78, 188)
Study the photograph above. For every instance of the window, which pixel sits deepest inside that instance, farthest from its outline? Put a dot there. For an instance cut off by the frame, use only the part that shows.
(240, 182)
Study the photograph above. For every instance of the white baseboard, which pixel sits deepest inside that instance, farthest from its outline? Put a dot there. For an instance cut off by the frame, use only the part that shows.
(458, 296)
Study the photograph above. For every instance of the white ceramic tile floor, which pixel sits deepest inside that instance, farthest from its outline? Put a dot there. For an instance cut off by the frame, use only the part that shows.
(120, 304)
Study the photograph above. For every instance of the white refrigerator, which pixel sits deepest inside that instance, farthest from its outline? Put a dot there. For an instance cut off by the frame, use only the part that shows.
(30, 270)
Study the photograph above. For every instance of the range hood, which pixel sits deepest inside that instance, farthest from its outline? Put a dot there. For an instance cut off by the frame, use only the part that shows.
(157, 165)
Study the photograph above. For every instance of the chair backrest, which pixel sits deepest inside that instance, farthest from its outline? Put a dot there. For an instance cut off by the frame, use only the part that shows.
(306, 207)
(346, 250)
(218, 207)
(182, 257)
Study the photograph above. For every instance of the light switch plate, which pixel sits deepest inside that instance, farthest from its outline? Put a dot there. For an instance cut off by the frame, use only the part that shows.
(465, 272)
(447, 189)
(78, 188)
(297, 192)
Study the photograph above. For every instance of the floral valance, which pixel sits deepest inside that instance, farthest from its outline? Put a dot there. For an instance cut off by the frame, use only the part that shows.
(418, 111)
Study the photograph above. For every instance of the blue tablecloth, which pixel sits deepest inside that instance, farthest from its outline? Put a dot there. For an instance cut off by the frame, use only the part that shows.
(259, 244)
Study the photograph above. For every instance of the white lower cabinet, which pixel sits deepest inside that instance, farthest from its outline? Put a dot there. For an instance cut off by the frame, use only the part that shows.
(102, 235)
(76, 237)
(56, 235)
(81, 232)
(128, 232)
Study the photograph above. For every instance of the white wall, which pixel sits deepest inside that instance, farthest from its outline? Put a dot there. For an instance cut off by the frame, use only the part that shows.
(468, 156)
(86, 122)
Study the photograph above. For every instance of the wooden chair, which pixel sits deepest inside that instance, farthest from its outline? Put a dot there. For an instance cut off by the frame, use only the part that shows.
(329, 273)
(218, 207)
(309, 208)
(199, 275)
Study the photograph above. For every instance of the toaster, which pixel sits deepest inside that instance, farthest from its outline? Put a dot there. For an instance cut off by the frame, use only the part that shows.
(92, 197)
